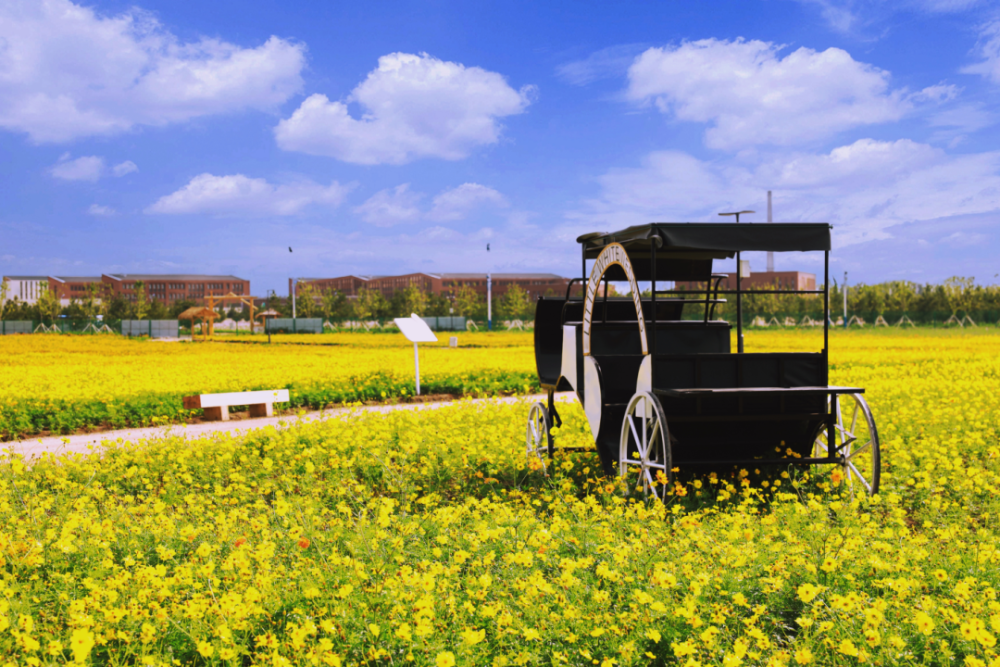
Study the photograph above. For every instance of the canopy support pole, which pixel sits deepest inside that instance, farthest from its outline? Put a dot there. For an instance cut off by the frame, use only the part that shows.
(739, 303)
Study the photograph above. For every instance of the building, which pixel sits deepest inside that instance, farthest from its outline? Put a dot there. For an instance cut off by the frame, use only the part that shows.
(782, 280)
(25, 289)
(168, 288)
(74, 288)
(441, 284)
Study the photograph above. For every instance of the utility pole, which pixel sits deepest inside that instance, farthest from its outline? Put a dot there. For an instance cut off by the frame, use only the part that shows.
(845, 299)
(294, 284)
(489, 302)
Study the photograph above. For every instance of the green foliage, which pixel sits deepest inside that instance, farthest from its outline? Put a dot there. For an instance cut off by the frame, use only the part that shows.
(408, 301)
(140, 307)
(370, 304)
(468, 303)
(515, 304)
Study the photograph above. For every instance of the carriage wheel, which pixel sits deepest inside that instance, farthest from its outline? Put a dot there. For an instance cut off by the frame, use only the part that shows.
(539, 434)
(644, 458)
(855, 442)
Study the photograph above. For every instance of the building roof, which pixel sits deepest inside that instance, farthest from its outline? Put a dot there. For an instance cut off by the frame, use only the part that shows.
(26, 277)
(502, 276)
(169, 276)
(77, 279)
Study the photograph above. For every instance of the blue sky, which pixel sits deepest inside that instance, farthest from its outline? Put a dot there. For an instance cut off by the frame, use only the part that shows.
(166, 137)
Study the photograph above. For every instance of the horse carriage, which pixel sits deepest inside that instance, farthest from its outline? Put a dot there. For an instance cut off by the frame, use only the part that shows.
(662, 390)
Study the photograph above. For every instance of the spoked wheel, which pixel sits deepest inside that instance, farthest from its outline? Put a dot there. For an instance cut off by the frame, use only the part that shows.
(855, 443)
(644, 458)
(539, 435)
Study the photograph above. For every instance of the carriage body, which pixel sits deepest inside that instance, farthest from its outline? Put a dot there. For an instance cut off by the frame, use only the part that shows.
(718, 406)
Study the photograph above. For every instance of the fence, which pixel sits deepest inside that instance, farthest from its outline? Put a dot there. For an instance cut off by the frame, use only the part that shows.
(451, 323)
(151, 328)
(295, 325)
(16, 327)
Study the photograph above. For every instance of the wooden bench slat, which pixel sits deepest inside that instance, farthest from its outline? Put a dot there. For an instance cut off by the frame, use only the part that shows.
(216, 406)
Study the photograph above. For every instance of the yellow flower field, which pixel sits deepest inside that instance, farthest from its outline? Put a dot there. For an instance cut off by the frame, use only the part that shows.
(63, 383)
(423, 538)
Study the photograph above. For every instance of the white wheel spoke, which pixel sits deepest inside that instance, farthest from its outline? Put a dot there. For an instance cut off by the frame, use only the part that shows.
(631, 425)
(861, 477)
(860, 449)
(854, 417)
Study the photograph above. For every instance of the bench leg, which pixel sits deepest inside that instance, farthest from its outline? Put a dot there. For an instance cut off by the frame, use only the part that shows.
(217, 414)
(262, 410)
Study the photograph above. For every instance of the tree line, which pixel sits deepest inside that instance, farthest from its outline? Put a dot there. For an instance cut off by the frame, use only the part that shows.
(923, 303)
(310, 302)
(515, 303)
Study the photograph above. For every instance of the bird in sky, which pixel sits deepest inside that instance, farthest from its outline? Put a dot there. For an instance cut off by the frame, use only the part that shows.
(289, 248)
(487, 247)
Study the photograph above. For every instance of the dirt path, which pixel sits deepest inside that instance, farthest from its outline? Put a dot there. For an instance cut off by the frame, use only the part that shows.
(84, 443)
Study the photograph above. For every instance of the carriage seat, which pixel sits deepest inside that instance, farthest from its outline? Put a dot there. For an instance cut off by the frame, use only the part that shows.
(672, 337)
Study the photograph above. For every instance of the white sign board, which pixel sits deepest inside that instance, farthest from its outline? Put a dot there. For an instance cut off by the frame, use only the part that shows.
(415, 329)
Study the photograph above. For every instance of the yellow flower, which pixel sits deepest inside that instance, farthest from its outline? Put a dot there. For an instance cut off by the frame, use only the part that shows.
(803, 656)
(81, 641)
(472, 636)
(924, 623)
(205, 649)
(653, 635)
(445, 659)
(531, 634)
(847, 647)
(808, 592)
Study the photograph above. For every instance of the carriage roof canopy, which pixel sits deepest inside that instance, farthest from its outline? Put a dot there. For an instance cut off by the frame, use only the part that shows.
(714, 237)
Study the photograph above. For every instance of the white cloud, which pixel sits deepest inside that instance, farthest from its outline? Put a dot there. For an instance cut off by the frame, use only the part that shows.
(989, 50)
(612, 61)
(68, 72)
(863, 188)
(100, 210)
(126, 167)
(749, 95)
(415, 106)
(391, 206)
(457, 203)
(88, 168)
(239, 194)
(846, 16)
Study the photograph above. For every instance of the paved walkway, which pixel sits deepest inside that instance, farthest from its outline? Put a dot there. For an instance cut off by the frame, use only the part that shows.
(84, 443)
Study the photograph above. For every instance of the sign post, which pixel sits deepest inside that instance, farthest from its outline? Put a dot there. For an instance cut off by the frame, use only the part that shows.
(416, 331)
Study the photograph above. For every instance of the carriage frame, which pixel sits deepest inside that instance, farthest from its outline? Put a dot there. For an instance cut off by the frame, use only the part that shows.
(663, 393)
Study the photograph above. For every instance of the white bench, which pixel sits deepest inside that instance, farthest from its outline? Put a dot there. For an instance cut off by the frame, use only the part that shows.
(216, 406)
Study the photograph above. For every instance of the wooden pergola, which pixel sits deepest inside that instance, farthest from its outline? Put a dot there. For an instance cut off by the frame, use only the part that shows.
(207, 317)
(212, 300)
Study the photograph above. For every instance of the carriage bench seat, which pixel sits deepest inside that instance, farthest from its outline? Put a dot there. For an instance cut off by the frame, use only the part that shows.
(216, 406)
(700, 391)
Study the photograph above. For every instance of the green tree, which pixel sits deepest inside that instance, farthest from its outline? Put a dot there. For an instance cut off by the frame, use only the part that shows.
(4, 291)
(515, 304)
(959, 293)
(335, 305)
(48, 304)
(409, 300)
(89, 304)
(306, 298)
(370, 304)
(468, 303)
(140, 307)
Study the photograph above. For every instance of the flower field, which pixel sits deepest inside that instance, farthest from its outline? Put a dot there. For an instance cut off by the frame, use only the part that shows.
(422, 538)
(64, 383)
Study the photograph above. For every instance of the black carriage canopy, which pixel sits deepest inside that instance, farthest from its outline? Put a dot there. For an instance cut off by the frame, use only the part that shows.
(685, 250)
